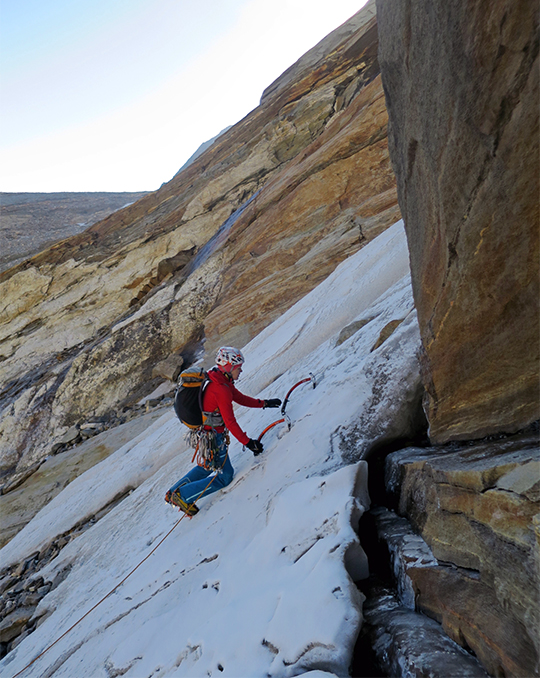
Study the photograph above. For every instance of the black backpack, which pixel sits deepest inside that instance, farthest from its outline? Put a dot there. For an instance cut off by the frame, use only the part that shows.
(188, 397)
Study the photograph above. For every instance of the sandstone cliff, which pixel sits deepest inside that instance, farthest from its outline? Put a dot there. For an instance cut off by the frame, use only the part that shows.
(461, 82)
(477, 508)
(220, 251)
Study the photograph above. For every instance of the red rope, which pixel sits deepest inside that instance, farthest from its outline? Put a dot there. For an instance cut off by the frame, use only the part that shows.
(102, 600)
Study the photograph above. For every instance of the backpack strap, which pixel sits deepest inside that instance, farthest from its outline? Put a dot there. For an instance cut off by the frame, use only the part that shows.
(212, 419)
(203, 386)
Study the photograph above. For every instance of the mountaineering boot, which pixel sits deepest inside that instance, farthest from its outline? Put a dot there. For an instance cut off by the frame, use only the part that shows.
(175, 499)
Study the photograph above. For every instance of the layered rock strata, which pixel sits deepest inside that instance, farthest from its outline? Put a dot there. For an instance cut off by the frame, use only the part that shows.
(406, 643)
(461, 83)
(229, 244)
(478, 509)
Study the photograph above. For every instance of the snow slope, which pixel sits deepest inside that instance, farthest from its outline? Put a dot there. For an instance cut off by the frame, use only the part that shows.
(260, 582)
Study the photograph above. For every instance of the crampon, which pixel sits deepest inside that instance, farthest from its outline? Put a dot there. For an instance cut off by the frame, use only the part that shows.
(175, 499)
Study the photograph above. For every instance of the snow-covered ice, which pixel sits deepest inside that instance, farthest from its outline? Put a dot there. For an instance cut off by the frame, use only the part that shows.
(260, 582)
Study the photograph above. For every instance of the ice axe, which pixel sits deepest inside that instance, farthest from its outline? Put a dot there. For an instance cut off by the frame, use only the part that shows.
(311, 378)
(286, 418)
(275, 423)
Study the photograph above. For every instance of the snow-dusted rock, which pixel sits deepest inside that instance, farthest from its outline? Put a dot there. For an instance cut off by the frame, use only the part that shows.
(410, 644)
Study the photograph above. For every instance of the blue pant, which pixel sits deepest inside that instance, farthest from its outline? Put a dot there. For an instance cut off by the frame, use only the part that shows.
(194, 484)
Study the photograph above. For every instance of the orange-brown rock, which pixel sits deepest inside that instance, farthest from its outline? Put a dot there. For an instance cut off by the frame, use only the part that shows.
(478, 509)
(461, 82)
(330, 200)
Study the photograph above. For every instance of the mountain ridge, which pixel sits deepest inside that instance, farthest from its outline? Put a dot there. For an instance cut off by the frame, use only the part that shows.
(31, 222)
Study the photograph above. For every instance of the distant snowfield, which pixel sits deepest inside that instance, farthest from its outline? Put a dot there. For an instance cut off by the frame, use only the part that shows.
(260, 582)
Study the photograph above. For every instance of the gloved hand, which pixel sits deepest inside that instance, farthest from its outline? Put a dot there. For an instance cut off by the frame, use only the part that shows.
(255, 446)
(273, 402)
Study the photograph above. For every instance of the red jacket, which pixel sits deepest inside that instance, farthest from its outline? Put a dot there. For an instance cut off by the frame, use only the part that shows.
(219, 395)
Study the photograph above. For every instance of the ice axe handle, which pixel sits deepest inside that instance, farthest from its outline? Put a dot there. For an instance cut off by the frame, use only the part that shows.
(302, 381)
(279, 421)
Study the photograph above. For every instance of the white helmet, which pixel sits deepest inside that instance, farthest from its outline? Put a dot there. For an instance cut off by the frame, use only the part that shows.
(228, 357)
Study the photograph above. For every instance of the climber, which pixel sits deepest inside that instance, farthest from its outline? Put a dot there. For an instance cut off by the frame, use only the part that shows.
(217, 399)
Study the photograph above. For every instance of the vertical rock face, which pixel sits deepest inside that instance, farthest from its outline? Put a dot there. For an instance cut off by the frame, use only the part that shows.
(461, 86)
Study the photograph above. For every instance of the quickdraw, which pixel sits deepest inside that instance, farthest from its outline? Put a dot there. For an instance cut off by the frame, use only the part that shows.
(206, 448)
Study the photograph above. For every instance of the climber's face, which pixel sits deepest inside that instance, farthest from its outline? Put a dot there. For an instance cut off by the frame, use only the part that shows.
(235, 373)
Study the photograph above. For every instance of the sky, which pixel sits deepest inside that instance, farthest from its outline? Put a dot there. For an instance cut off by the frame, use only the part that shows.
(115, 95)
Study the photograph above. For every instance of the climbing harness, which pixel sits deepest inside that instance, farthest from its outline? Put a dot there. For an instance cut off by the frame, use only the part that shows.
(206, 448)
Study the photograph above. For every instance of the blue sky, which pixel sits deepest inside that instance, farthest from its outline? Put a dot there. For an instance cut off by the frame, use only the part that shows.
(115, 95)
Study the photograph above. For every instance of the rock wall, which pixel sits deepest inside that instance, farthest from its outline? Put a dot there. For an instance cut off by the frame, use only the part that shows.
(478, 509)
(461, 87)
(229, 244)
(461, 84)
